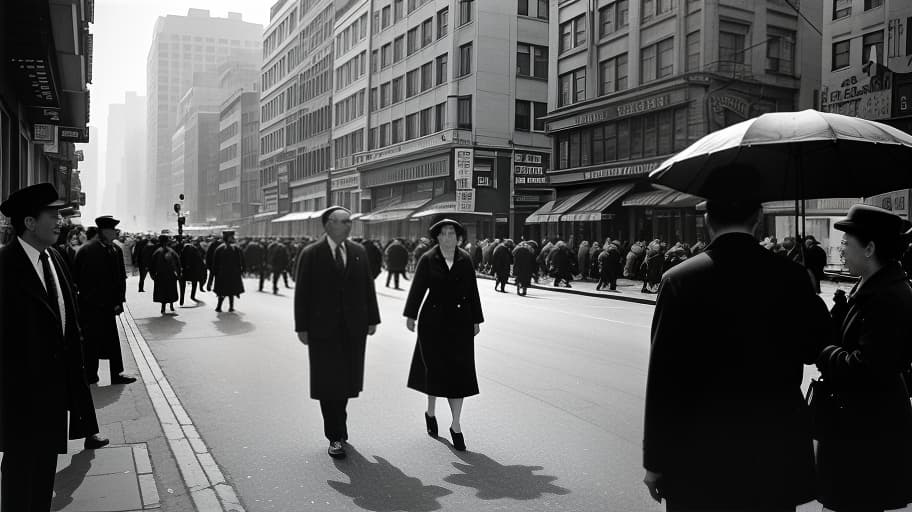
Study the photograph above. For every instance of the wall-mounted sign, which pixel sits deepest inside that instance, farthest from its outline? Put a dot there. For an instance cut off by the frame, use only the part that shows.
(73, 134)
(530, 168)
(867, 94)
(465, 200)
(353, 181)
(897, 202)
(464, 163)
(43, 133)
(80, 156)
(484, 179)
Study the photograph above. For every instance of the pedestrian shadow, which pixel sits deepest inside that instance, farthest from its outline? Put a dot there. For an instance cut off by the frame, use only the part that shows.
(160, 327)
(70, 478)
(381, 487)
(494, 481)
(232, 323)
(106, 395)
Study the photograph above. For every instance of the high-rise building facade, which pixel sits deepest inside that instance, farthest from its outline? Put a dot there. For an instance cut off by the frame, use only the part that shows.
(636, 81)
(125, 160)
(239, 193)
(182, 46)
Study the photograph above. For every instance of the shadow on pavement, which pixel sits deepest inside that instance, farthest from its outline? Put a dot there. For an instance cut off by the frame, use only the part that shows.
(232, 323)
(106, 395)
(160, 327)
(381, 487)
(495, 481)
(70, 478)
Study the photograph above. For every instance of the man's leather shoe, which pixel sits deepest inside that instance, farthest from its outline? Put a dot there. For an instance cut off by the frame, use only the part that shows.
(122, 379)
(336, 450)
(96, 441)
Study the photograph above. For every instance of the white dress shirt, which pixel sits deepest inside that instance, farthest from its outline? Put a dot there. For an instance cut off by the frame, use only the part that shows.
(332, 251)
(35, 257)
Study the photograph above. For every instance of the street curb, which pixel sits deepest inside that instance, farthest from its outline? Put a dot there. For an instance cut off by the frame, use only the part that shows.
(572, 291)
(208, 487)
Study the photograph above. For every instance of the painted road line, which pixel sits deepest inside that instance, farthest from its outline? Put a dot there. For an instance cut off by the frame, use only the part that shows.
(208, 488)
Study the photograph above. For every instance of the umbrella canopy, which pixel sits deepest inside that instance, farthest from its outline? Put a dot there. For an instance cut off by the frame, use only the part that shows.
(796, 155)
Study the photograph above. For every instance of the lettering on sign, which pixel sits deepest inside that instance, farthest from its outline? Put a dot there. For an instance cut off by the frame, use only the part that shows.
(483, 181)
(531, 180)
(463, 183)
(528, 158)
(346, 182)
(733, 103)
(644, 105)
(865, 95)
(44, 133)
(465, 200)
(528, 170)
(465, 164)
(623, 170)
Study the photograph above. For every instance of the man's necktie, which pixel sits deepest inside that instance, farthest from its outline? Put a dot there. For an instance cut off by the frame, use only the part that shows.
(49, 283)
(340, 263)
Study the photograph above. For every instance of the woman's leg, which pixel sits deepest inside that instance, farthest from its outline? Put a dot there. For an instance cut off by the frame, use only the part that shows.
(456, 409)
(432, 406)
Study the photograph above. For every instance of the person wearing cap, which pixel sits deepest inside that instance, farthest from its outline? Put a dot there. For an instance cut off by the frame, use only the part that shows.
(228, 269)
(443, 364)
(725, 421)
(193, 269)
(165, 270)
(864, 455)
(101, 282)
(41, 363)
(335, 310)
(277, 259)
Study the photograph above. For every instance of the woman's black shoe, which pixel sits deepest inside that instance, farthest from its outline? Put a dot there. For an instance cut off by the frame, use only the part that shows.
(458, 440)
(431, 423)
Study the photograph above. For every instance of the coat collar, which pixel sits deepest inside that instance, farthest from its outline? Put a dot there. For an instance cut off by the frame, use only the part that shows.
(890, 274)
(731, 240)
(437, 254)
(30, 281)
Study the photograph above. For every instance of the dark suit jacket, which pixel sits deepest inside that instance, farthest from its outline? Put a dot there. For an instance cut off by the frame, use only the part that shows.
(726, 422)
(41, 368)
(335, 307)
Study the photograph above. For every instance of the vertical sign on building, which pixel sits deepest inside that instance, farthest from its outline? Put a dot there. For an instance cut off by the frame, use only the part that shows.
(465, 194)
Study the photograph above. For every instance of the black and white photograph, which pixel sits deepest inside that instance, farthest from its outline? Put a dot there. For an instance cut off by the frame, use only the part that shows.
(455, 255)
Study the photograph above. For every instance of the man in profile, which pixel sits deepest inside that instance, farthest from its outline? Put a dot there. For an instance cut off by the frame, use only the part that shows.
(725, 422)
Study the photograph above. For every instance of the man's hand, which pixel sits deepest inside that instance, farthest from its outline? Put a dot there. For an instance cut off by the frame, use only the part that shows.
(410, 324)
(371, 330)
(477, 330)
(653, 482)
(302, 336)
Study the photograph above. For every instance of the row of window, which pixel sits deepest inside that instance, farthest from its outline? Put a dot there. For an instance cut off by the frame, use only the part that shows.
(229, 195)
(272, 141)
(418, 80)
(412, 126)
(843, 8)
(529, 115)
(310, 163)
(349, 144)
(870, 41)
(350, 108)
(532, 60)
(228, 174)
(316, 80)
(317, 32)
(351, 35)
(272, 108)
(392, 14)
(542, 9)
(198, 39)
(229, 131)
(352, 70)
(274, 74)
(395, 51)
(309, 124)
(228, 153)
(279, 33)
(651, 135)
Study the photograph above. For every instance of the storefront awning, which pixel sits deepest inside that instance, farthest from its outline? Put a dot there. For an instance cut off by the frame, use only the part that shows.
(395, 212)
(681, 200)
(537, 216)
(264, 215)
(560, 206)
(444, 205)
(293, 216)
(648, 198)
(593, 208)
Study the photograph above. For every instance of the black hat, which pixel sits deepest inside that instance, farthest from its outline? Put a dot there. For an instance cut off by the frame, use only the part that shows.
(29, 199)
(106, 222)
(227, 233)
(871, 221)
(324, 217)
(438, 226)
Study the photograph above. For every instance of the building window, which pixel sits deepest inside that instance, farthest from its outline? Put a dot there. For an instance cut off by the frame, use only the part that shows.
(385, 17)
(573, 33)
(780, 51)
(465, 11)
(439, 117)
(653, 8)
(464, 112)
(397, 89)
(523, 60)
(842, 9)
(427, 76)
(523, 8)
(411, 83)
(397, 131)
(386, 55)
(384, 95)
(539, 111)
(693, 52)
(398, 10)
(841, 54)
(412, 41)
(442, 69)
(398, 48)
(443, 22)
(424, 120)
(532, 60)
(542, 13)
(427, 31)
(572, 87)
(465, 59)
(523, 116)
(373, 99)
(613, 17)
(411, 126)
(731, 47)
(384, 135)
(613, 74)
(872, 4)
(657, 61)
(872, 41)
(375, 61)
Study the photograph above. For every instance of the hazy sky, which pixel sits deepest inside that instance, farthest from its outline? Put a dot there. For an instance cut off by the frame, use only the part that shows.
(122, 36)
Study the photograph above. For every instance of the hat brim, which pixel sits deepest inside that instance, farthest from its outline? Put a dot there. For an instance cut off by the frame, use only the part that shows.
(434, 230)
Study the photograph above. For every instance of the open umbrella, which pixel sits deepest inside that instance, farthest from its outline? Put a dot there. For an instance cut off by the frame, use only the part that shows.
(797, 155)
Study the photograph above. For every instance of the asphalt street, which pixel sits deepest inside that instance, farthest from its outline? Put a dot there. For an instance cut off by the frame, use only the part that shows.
(557, 426)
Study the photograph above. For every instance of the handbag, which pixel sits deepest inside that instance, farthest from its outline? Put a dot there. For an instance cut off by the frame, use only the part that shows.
(823, 403)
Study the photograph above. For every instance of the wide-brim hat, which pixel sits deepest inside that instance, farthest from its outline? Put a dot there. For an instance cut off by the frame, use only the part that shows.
(438, 226)
(29, 199)
(872, 222)
(106, 222)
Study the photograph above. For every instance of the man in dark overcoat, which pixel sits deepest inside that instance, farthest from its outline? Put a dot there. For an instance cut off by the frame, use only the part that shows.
(138, 261)
(193, 268)
(210, 255)
(375, 257)
(523, 267)
(335, 310)
(501, 261)
(228, 269)
(100, 282)
(147, 251)
(725, 422)
(255, 257)
(396, 262)
(277, 258)
(39, 336)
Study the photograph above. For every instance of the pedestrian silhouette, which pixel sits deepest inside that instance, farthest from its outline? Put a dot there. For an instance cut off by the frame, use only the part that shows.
(495, 481)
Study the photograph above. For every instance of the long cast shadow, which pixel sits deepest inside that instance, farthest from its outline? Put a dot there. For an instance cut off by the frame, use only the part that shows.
(160, 327)
(106, 395)
(232, 323)
(381, 487)
(495, 481)
(70, 478)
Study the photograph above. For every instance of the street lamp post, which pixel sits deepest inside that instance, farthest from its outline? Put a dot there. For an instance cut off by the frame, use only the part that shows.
(181, 219)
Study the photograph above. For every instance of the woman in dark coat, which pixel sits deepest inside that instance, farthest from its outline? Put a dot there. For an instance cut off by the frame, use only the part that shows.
(193, 270)
(864, 455)
(610, 267)
(560, 262)
(501, 261)
(523, 267)
(228, 269)
(443, 364)
(165, 270)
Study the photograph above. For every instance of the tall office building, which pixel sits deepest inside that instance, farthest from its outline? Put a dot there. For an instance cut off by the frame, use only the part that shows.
(125, 159)
(638, 80)
(182, 46)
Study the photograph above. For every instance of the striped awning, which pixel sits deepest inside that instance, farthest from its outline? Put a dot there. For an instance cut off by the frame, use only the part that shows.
(293, 216)
(444, 205)
(593, 209)
(648, 198)
(539, 214)
(681, 200)
(395, 212)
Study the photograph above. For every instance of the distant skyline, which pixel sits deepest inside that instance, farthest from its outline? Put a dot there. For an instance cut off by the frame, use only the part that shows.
(122, 34)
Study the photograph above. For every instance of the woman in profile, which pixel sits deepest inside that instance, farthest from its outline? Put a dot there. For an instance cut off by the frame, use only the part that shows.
(444, 361)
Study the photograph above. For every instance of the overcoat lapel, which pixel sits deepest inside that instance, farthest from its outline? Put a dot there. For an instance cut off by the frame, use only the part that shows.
(30, 282)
